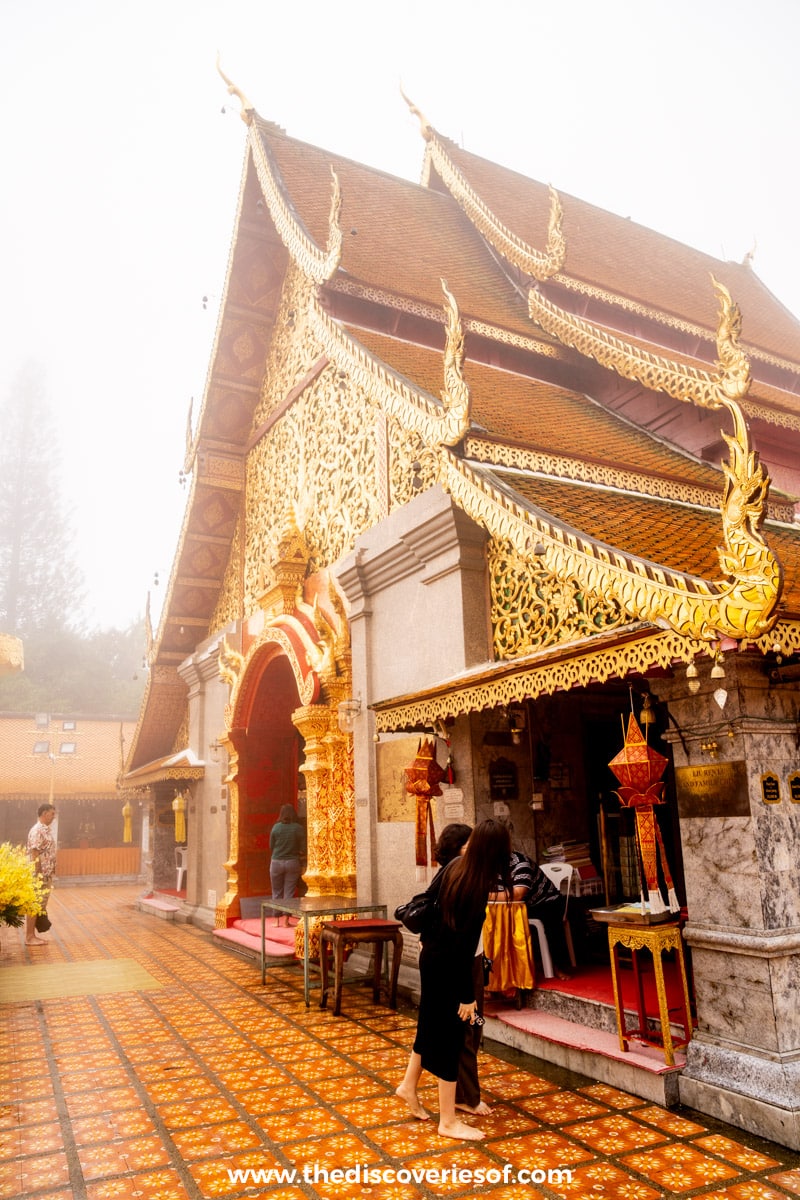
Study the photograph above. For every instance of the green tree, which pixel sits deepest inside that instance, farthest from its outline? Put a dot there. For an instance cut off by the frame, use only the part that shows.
(98, 673)
(40, 584)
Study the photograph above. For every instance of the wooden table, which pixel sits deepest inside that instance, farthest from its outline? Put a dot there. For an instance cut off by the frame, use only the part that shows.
(657, 939)
(308, 909)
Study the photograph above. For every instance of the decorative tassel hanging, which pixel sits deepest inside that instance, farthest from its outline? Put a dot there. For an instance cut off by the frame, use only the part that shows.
(179, 808)
(127, 824)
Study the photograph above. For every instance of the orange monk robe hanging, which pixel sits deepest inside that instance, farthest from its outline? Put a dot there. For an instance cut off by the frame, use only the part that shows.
(422, 780)
(127, 823)
(179, 809)
(639, 769)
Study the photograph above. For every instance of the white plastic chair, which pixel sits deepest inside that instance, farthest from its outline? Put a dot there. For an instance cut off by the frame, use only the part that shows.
(560, 874)
(180, 865)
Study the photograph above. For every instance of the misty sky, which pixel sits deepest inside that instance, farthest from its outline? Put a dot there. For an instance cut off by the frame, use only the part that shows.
(121, 177)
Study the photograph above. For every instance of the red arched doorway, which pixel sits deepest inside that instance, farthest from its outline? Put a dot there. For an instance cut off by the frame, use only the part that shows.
(270, 756)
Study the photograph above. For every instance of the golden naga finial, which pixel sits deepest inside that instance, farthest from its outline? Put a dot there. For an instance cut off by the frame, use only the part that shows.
(456, 394)
(425, 127)
(247, 108)
(733, 363)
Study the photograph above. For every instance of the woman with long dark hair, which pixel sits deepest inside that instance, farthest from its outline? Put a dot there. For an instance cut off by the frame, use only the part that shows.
(447, 995)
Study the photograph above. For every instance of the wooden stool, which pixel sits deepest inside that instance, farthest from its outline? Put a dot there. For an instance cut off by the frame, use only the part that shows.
(376, 931)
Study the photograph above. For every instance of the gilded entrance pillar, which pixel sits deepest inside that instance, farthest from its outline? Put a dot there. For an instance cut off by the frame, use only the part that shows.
(330, 800)
(228, 907)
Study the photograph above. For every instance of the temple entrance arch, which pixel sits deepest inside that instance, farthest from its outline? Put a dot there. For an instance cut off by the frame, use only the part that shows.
(271, 753)
(281, 730)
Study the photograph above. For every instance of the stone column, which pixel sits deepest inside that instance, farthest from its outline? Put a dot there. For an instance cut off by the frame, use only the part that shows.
(740, 834)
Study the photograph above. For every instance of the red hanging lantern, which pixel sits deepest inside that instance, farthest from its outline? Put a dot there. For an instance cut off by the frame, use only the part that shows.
(422, 780)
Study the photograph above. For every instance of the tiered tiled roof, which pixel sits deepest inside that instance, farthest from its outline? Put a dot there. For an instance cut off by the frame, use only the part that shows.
(531, 394)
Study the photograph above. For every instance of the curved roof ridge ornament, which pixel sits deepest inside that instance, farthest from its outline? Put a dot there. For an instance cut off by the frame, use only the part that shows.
(318, 264)
(743, 606)
(437, 422)
(247, 112)
(535, 263)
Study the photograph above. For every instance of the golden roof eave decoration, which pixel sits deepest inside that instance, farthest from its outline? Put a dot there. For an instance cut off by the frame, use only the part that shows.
(438, 423)
(535, 263)
(742, 605)
(317, 264)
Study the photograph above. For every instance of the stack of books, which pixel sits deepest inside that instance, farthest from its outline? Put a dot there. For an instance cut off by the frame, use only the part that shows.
(588, 882)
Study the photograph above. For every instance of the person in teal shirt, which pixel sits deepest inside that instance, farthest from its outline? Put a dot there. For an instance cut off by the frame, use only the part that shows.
(287, 844)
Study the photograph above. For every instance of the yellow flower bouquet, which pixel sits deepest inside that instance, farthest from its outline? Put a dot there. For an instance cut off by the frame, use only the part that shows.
(20, 887)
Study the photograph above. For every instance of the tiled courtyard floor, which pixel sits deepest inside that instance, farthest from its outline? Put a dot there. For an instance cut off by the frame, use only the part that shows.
(196, 1072)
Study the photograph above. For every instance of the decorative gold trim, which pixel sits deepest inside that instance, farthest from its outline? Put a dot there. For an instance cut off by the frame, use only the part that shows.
(532, 262)
(635, 649)
(559, 466)
(549, 263)
(582, 288)
(741, 606)
(349, 287)
(437, 423)
(317, 264)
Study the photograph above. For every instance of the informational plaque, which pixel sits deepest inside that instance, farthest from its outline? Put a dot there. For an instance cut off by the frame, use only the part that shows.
(394, 802)
(503, 783)
(770, 788)
(794, 787)
(717, 789)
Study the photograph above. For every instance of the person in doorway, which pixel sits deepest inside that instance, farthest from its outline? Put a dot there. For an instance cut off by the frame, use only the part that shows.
(42, 853)
(447, 995)
(287, 845)
(544, 903)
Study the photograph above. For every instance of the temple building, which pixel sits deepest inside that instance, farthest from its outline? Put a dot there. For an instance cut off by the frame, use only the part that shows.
(485, 470)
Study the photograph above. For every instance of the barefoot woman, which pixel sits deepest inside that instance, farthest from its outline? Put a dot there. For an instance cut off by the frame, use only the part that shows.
(447, 997)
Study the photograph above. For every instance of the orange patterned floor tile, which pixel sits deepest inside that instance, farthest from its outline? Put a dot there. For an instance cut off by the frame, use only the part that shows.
(410, 1137)
(262, 1101)
(300, 1124)
(542, 1150)
(213, 1179)
(611, 1096)
(41, 1171)
(330, 1152)
(377, 1110)
(603, 1180)
(149, 1185)
(513, 1085)
(670, 1122)
(504, 1120)
(751, 1190)
(678, 1167)
(443, 1171)
(85, 1104)
(554, 1108)
(614, 1134)
(735, 1152)
(197, 1112)
(347, 1088)
(787, 1179)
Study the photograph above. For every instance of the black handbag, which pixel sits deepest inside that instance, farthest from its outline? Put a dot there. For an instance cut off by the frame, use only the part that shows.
(42, 923)
(417, 913)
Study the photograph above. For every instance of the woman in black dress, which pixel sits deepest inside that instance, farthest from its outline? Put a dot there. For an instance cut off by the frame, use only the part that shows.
(447, 996)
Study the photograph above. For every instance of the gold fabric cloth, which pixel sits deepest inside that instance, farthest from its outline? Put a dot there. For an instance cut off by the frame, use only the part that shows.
(507, 942)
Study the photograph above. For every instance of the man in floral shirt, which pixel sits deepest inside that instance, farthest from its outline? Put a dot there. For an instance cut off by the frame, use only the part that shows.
(42, 853)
